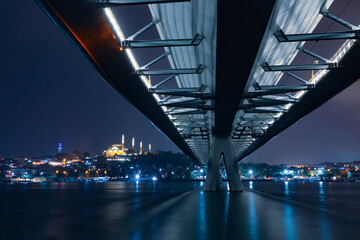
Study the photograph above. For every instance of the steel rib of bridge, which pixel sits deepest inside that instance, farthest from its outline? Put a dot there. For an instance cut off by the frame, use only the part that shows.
(325, 89)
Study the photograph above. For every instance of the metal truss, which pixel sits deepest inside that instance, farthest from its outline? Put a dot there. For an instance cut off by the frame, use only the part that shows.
(185, 112)
(164, 81)
(303, 67)
(257, 119)
(190, 120)
(270, 110)
(297, 77)
(173, 91)
(354, 32)
(283, 87)
(282, 37)
(163, 43)
(162, 56)
(171, 71)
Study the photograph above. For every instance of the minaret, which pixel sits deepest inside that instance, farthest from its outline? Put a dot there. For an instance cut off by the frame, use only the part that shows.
(149, 147)
(140, 147)
(133, 143)
(122, 143)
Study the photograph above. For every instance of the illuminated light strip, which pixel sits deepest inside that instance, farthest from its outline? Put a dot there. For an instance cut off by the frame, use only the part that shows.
(320, 74)
(340, 53)
(120, 35)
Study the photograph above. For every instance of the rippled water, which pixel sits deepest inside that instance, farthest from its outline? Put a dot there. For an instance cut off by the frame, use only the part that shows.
(119, 210)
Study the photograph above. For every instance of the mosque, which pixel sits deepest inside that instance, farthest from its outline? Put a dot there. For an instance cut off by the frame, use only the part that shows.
(118, 150)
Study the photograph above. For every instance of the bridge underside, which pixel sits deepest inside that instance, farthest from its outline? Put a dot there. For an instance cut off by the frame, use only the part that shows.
(227, 64)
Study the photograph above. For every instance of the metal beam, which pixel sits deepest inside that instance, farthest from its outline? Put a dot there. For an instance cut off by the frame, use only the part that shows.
(257, 119)
(115, 3)
(264, 103)
(183, 112)
(155, 60)
(296, 77)
(171, 71)
(163, 43)
(186, 104)
(141, 31)
(191, 126)
(302, 49)
(178, 100)
(254, 125)
(326, 13)
(178, 90)
(282, 37)
(195, 135)
(273, 110)
(190, 120)
(189, 94)
(304, 67)
(279, 98)
(272, 92)
(164, 81)
(165, 99)
(284, 87)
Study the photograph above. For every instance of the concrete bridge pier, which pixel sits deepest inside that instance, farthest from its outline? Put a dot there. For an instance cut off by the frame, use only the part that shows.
(222, 146)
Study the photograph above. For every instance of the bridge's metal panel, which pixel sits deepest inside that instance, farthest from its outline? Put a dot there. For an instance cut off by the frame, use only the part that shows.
(184, 20)
(293, 17)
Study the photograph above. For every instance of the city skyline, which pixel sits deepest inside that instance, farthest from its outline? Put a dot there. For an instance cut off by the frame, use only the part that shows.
(67, 101)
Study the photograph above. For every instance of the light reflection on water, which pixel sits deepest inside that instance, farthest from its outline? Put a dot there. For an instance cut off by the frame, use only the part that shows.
(290, 224)
(165, 211)
(253, 221)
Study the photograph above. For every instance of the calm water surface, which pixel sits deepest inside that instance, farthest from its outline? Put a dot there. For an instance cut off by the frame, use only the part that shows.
(119, 210)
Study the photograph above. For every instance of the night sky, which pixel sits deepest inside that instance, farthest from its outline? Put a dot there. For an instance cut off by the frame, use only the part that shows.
(49, 93)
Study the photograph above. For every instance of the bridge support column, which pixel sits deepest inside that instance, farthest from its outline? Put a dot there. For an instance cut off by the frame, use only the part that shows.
(222, 146)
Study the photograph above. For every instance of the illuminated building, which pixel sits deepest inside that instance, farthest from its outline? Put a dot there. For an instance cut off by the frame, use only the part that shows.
(60, 148)
(115, 150)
